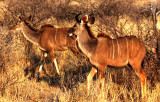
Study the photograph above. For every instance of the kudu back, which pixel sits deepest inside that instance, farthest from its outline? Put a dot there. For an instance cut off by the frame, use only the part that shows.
(103, 51)
(48, 39)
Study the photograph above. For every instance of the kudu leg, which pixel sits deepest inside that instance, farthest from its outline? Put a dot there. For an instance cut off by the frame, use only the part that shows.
(90, 76)
(53, 58)
(102, 79)
(143, 78)
(43, 57)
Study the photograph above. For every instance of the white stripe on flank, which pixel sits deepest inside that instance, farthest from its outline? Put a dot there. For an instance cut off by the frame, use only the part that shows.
(55, 37)
(65, 38)
(132, 47)
(113, 49)
(127, 47)
(118, 46)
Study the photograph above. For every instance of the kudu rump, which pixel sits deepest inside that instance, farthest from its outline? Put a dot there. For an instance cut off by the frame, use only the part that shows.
(47, 38)
(103, 51)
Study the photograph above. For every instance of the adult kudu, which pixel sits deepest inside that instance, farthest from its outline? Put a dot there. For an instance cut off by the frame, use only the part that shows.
(48, 39)
(103, 51)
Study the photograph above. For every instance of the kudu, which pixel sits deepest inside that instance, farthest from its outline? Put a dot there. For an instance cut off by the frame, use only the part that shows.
(103, 51)
(48, 39)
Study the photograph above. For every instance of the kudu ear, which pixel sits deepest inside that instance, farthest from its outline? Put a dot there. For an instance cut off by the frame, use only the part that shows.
(84, 19)
(91, 20)
(77, 19)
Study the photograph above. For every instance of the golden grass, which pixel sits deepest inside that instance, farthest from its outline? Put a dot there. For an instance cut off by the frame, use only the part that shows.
(19, 88)
(16, 87)
(71, 85)
(121, 85)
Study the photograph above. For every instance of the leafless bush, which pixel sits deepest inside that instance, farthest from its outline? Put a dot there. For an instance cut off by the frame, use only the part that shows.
(11, 54)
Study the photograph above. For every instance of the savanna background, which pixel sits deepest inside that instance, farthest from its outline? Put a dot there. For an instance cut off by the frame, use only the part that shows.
(19, 59)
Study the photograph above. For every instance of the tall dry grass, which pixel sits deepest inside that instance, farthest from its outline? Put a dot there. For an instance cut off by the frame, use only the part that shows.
(19, 59)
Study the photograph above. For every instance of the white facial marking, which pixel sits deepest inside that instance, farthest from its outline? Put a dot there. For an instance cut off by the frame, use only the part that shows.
(81, 23)
(70, 34)
(18, 29)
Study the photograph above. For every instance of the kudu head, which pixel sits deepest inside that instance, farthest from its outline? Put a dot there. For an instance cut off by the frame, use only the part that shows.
(81, 24)
(21, 20)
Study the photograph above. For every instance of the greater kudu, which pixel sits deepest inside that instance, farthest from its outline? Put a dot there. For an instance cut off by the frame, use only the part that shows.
(48, 39)
(103, 51)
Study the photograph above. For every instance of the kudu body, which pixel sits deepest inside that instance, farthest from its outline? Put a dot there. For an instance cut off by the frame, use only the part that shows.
(48, 39)
(103, 51)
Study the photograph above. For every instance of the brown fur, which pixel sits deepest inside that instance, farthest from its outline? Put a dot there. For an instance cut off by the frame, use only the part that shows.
(46, 25)
(103, 51)
(48, 38)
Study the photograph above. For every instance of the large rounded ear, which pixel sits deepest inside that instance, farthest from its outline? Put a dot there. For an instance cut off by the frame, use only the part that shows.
(91, 20)
(84, 19)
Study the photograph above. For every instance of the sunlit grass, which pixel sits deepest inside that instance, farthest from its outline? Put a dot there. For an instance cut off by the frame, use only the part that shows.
(121, 85)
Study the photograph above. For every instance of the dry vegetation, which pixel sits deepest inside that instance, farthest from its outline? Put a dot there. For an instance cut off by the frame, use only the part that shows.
(19, 59)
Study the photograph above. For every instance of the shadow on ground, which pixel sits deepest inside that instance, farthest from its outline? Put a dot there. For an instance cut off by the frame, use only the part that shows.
(69, 79)
(122, 76)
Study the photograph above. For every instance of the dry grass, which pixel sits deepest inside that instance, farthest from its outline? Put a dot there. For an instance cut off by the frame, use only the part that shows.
(19, 58)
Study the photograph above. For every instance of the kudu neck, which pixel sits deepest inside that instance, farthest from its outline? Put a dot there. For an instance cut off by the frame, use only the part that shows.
(86, 34)
(90, 33)
(86, 41)
(30, 33)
